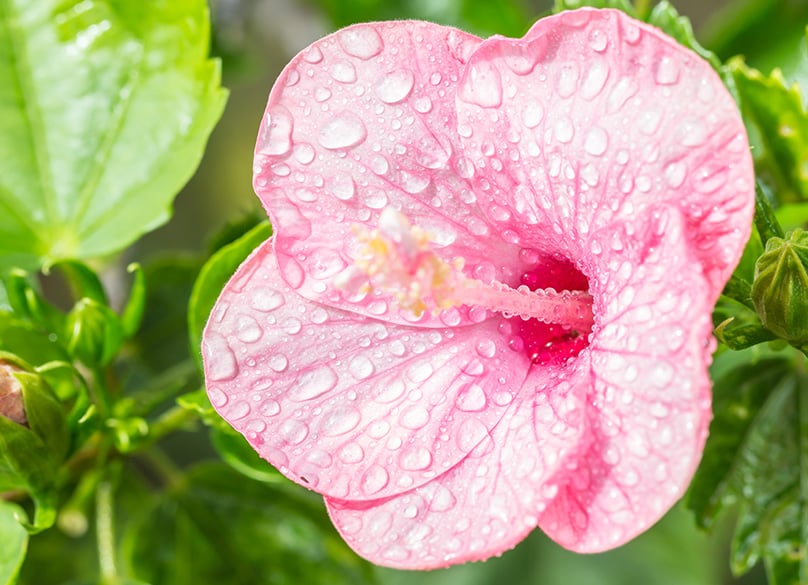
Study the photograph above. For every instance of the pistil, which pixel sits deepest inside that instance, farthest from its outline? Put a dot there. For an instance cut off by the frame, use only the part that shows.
(398, 258)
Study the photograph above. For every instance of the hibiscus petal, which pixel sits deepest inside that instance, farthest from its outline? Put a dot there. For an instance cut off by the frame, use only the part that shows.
(591, 118)
(649, 401)
(344, 404)
(349, 132)
(489, 501)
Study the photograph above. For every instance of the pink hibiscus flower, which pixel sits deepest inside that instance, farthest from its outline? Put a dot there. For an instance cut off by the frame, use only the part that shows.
(393, 346)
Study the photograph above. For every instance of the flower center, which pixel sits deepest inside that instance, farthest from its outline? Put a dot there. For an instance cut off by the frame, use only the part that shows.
(548, 342)
(398, 258)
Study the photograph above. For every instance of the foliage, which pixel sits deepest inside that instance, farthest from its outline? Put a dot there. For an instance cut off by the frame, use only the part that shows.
(106, 107)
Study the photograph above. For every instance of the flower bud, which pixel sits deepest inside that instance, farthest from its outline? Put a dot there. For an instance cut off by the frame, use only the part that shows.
(12, 405)
(780, 289)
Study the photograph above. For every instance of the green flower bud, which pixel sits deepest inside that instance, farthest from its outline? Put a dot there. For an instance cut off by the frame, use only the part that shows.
(780, 289)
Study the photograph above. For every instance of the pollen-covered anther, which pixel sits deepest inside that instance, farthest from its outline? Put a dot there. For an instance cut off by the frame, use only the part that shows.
(398, 259)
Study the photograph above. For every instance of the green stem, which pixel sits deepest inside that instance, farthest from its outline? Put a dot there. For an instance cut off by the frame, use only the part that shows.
(765, 218)
(171, 420)
(105, 532)
(738, 289)
(159, 462)
(164, 387)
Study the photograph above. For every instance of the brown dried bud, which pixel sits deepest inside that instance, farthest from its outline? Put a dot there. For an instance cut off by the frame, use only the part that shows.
(11, 399)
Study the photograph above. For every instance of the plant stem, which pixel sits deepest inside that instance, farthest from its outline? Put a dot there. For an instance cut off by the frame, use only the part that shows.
(105, 532)
(765, 218)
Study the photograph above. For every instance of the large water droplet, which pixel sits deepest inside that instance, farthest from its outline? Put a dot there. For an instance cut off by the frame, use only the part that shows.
(343, 71)
(342, 186)
(360, 367)
(313, 383)
(220, 360)
(414, 417)
(395, 86)
(595, 80)
(361, 41)
(621, 92)
(293, 431)
(567, 81)
(340, 421)
(248, 330)
(471, 399)
(596, 141)
(533, 114)
(481, 85)
(564, 129)
(266, 299)
(675, 174)
(351, 453)
(343, 131)
(374, 480)
(667, 72)
(276, 135)
(415, 458)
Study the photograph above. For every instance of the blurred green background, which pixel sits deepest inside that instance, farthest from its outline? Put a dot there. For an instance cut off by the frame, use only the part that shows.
(256, 38)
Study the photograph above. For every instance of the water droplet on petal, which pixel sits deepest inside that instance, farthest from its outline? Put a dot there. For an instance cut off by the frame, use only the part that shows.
(304, 153)
(595, 80)
(442, 499)
(710, 179)
(351, 453)
(596, 141)
(293, 431)
(533, 114)
(360, 367)
(481, 85)
(343, 131)
(279, 362)
(313, 383)
(649, 121)
(343, 71)
(414, 417)
(217, 397)
(266, 299)
(374, 480)
(486, 348)
(321, 94)
(415, 458)
(276, 135)
(598, 40)
(313, 55)
(423, 105)
(564, 130)
(471, 399)
(340, 421)
(667, 72)
(221, 361)
(361, 41)
(675, 174)
(567, 82)
(395, 86)
(342, 186)
(248, 330)
(621, 92)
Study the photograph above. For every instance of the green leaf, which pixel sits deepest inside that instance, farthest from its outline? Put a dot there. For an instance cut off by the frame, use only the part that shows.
(237, 452)
(162, 339)
(26, 464)
(665, 17)
(221, 527)
(776, 116)
(739, 393)
(106, 108)
(15, 542)
(212, 278)
(198, 402)
(757, 457)
(622, 5)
